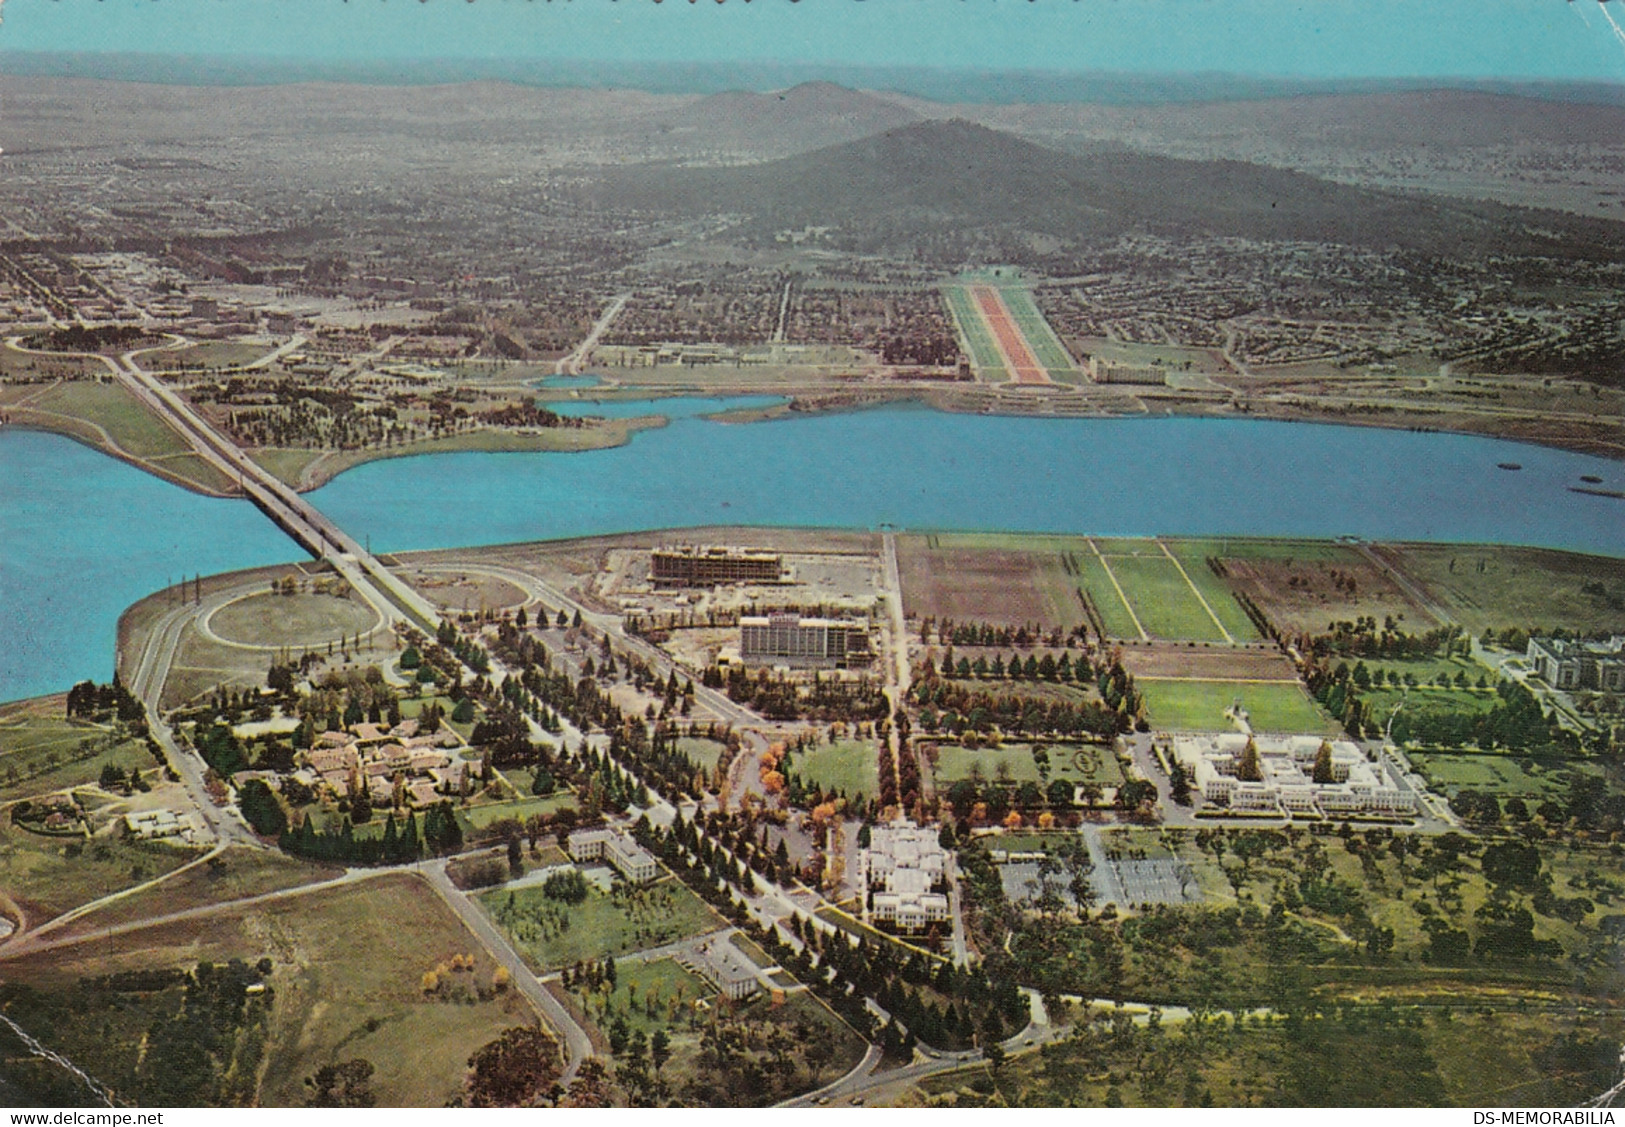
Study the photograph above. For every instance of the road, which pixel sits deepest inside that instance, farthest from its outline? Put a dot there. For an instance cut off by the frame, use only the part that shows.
(146, 684)
(897, 671)
(577, 1045)
(571, 365)
(388, 595)
(28, 944)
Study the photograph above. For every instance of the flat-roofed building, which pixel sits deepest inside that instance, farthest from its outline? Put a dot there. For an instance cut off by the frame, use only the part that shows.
(1286, 784)
(724, 966)
(626, 856)
(1565, 664)
(803, 643)
(1110, 371)
(712, 565)
(903, 874)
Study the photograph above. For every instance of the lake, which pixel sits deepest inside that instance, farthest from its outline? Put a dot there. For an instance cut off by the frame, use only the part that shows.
(82, 536)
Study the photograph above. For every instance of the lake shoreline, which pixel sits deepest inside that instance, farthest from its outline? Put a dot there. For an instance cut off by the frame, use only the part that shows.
(802, 404)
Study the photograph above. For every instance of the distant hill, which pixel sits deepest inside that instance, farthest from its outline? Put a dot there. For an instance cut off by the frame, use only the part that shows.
(813, 115)
(955, 172)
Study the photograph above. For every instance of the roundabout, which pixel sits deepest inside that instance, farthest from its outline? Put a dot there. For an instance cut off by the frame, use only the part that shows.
(265, 621)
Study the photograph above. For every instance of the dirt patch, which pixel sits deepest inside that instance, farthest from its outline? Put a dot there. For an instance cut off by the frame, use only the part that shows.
(464, 591)
(1216, 664)
(972, 585)
(1307, 595)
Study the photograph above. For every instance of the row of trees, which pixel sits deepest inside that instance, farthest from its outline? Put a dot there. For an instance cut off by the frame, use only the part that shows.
(398, 844)
(1034, 668)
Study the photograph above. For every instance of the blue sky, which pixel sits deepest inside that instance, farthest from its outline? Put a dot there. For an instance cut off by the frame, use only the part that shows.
(1550, 39)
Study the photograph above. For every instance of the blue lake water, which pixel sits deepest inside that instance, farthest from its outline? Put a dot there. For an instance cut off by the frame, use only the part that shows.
(566, 381)
(82, 536)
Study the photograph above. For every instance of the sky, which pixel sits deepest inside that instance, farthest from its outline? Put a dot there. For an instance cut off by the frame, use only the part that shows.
(1487, 39)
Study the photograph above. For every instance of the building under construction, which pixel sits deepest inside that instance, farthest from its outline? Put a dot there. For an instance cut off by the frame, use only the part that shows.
(709, 565)
(803, 643)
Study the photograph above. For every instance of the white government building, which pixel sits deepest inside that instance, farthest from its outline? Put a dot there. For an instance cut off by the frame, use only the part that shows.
(1287, 786)
(901, 869)
(630, 859)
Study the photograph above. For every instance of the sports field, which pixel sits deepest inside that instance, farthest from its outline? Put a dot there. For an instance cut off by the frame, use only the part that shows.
(984, 353)
(1198, 706)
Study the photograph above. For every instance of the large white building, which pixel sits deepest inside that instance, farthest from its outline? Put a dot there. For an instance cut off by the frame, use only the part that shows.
(629, 858)
(1286, 785)
(1564, 664)
(903, 875)
(803, 643)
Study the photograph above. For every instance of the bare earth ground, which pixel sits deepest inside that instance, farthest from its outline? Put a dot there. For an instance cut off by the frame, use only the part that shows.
(1314, 601)
(1265, 664)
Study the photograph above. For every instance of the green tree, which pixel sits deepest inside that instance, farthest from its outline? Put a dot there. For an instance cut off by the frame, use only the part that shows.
(1248, 769)
(1323, 763)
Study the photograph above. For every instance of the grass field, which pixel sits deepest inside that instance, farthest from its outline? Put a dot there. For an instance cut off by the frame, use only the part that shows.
(1504, 776)
(1527, 588)
(978, 341)
(653, 995)
(213, 354)
(288, 466)
(42, 751)
(1163, 600)
(1040, 337)
(704, 753)
(49, 875)
(849, 766)
(1198, 706)
(234, 875)
(131, 426)
(478, 817)
(551, 935)
(1015, 762)
(1193, 557)
(1114, 613)
(292, 620)
(346, 986)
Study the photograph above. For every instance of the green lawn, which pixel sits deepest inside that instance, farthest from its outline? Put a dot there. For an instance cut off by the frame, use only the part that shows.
(647, 996)
(1198, 706)
(1507, 777)
(135, 429)
(478, 817)
(704, 753)
(1194, 555)
(1080, 764)
(849, 766)
(973, 332)
(1115, 614)
(1163, 600)
(551, 934)
(1045, 345)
